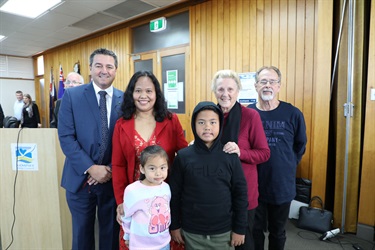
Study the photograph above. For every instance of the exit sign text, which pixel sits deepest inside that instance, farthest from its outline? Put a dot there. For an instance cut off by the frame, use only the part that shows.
(159, 24)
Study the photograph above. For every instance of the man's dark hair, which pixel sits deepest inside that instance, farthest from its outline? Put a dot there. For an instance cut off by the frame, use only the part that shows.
(103, 51)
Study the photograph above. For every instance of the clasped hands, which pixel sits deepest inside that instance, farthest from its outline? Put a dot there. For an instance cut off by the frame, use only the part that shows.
(99, 174)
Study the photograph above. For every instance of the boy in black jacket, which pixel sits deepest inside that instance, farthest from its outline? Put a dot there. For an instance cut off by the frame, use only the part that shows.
(209, 193)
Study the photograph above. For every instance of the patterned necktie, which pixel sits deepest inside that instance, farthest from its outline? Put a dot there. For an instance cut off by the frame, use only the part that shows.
(104, 125)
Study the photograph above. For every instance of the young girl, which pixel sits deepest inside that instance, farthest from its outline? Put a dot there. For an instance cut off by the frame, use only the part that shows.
(146, 203)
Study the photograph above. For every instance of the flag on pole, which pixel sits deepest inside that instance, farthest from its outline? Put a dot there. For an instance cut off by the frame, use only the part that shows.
(52, 95)
(61, 84)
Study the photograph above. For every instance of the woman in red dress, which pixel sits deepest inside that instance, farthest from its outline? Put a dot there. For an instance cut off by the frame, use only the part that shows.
(145, 121)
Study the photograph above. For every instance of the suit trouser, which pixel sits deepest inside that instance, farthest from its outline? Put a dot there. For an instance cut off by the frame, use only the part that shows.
(274, 218)
(83, 206)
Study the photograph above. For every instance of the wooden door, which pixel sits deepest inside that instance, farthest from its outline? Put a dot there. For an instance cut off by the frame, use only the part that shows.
(167, 61)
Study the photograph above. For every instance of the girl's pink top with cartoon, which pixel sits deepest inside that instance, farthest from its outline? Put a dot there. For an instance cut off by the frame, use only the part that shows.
(147, 216)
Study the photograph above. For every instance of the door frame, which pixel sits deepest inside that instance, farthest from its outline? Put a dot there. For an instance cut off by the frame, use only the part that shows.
(156, 57)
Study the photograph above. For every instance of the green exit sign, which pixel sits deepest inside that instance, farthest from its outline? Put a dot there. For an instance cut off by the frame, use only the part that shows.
(159, 24)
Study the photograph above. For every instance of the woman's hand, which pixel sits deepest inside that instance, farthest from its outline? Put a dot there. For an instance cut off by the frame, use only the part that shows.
(177, 237)
(231, 148)
(120, 213)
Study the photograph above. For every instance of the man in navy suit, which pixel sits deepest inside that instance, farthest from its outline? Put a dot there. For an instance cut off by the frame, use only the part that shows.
(87, 175)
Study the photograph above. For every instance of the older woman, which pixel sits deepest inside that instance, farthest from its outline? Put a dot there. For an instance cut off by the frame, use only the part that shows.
(30, 113)
(145, 121)
(243, 134)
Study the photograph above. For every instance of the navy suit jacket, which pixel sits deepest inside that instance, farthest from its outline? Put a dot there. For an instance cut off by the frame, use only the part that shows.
(79, 133)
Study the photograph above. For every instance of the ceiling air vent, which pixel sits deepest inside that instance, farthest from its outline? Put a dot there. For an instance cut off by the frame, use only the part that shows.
(96, 22)
(129, 9)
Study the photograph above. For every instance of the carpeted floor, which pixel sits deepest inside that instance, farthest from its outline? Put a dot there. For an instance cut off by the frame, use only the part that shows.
(299, 239)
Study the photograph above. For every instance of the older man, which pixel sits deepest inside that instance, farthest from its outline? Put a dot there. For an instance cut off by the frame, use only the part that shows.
(72, 80)
(285, 130)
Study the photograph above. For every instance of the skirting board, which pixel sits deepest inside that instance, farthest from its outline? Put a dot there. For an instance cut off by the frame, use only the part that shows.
(365, 232)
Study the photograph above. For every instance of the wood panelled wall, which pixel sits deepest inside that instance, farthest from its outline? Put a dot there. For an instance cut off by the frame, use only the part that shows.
(243, 35)
(366, 214)
(348, 157)
(292, 35)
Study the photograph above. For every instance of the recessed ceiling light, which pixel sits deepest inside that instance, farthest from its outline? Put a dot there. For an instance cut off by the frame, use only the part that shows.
(28, 8)
(1, 37)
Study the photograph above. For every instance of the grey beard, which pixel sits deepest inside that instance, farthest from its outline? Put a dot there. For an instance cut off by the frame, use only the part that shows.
(267, 97)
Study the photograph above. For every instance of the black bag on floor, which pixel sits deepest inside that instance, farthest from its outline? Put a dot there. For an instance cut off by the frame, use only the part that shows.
(314, 219)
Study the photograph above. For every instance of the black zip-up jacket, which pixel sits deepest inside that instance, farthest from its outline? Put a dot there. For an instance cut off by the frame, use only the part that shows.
(209, 192)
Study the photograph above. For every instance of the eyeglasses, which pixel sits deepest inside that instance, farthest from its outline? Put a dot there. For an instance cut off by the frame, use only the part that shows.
(272, 82)
(72, 82)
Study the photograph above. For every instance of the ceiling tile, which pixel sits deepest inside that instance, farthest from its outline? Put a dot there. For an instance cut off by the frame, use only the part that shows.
(160, 3)
(73, 32)
(9, 24)
(97, 5)
(69, 21)
(53, 21)
(75, 9)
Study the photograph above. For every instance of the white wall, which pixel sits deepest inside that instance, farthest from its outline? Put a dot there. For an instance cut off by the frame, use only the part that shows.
(16, 73)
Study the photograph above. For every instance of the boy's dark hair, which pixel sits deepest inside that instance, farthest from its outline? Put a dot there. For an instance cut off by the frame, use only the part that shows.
(151, 152)
(212, 108)
(128, 106)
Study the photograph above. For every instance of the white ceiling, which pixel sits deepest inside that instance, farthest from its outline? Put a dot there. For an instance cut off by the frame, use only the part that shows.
(69, 21)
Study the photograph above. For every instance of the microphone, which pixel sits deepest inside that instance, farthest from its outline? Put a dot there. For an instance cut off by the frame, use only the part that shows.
(330, 234)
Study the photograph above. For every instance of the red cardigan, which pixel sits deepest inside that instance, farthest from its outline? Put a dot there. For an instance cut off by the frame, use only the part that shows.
(169, 135)
(254, 150)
